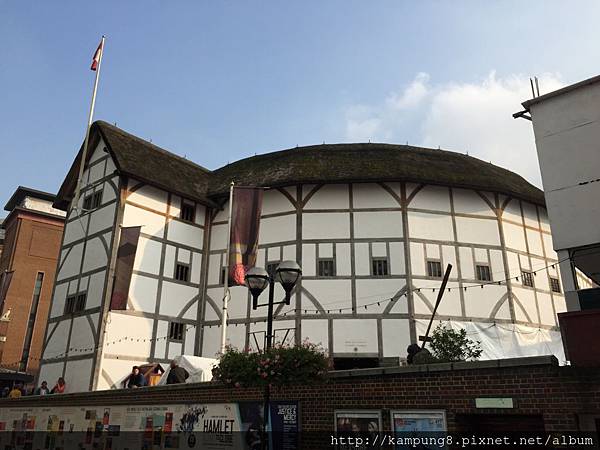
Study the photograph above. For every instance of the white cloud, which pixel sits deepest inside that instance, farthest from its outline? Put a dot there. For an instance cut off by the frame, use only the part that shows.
(412, 96)
(471, 117)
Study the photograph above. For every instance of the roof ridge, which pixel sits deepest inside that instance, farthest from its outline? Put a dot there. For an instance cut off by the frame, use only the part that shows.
(102, 123)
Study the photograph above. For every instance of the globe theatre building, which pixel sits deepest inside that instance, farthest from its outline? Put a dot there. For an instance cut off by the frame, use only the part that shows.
(373, 227)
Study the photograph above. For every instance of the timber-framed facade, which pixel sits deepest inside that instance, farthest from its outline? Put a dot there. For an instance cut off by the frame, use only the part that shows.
(370, 239)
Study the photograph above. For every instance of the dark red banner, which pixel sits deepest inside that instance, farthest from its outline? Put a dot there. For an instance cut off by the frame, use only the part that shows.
(245, 224)
(124, 267)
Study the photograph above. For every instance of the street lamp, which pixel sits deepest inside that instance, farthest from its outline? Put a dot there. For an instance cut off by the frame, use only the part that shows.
(257, 279)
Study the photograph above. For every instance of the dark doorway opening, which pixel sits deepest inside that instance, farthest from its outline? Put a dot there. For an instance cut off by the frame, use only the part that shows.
(355, 363)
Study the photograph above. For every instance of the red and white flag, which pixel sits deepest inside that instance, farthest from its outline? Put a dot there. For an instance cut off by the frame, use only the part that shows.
(97, 56)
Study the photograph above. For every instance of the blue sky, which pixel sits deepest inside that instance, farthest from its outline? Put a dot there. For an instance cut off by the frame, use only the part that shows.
(217, 81)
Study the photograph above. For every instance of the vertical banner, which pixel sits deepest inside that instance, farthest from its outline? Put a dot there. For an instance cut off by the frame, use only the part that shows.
(4, 286)
(243, 239)
(124, 267)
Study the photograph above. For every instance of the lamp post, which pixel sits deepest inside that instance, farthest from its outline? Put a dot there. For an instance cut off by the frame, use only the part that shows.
(257, 279)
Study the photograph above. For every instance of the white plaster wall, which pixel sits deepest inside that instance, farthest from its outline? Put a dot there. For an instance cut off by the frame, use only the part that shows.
(316, 331)
(355, 336)
(58, 300)
(57, 343)
(127, 329)
(373, 290)
(342, 259)
(430, 226)
(82, 335)
(566, 132)
(309, 260)
(50, 372)
(477, 231)
(332, 294)
(380, 224)
(211, 345)
(275, 202)
(70, 262)
(77, 375)
(147, 257)
(160, 346)
(186, 234)
(371, 195)
(435, 198)
(148, 196)
(396, 337)
(329, 196)
(469, 202)
(95, 254)
(325, 225)
(142, 293)
(151, 223)
(75, 229)
(514, 236)
(174, 297)
(277, 229)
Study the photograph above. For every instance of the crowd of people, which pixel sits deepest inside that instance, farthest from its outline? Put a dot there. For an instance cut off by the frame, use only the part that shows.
(19, 390)
(136, 379)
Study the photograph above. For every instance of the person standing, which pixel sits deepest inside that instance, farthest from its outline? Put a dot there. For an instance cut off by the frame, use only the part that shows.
(177, 374)
(59, 387)
(15, 392)
(136, 378)
(43, 389)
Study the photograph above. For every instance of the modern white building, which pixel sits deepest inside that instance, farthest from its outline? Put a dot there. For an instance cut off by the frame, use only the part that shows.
(566, 123)
(372, 225)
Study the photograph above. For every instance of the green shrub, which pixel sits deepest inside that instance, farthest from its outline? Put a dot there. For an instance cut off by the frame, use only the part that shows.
(448, 345)
(301, 364)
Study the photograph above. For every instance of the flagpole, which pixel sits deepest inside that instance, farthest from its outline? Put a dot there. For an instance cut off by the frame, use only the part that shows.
(226, 281)
(87, 130)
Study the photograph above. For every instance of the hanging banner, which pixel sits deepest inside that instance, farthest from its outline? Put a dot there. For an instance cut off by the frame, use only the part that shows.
(124, 267)
(4, 286)
(245, 224)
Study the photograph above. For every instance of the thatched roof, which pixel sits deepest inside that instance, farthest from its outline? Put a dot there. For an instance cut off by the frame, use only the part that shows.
(372, 162)
(143, 161)
(331, 163)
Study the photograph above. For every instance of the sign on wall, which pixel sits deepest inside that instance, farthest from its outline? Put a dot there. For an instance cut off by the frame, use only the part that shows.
(200, 426)
(419, 424)
(352, 423)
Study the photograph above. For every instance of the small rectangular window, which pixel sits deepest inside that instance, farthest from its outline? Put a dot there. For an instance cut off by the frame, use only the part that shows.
(272, 267)
(176, 331)
(527, 278)
(75, 303)
(70, 304)
(379, 267)
(326, 267)
(182, 272)
(92, 201)
(80, 302)
(434, 269)
(555, 284)
(187, 212)
(483, 273)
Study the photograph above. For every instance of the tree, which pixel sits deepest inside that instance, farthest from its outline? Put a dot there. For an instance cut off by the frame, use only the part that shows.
(448, 345)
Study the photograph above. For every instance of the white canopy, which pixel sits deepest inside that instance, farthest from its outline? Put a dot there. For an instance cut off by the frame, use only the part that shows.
(200, 369)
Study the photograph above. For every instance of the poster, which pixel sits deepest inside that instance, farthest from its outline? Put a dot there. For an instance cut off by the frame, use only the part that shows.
(212, 426)
(284, 425)
(357, 423)
(419, 423)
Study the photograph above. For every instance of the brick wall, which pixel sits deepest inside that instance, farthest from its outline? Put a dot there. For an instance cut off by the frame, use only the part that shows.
(537, 385)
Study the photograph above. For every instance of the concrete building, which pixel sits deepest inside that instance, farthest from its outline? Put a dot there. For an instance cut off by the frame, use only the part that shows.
(33, 232)
(372, 225)
(566, 124)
